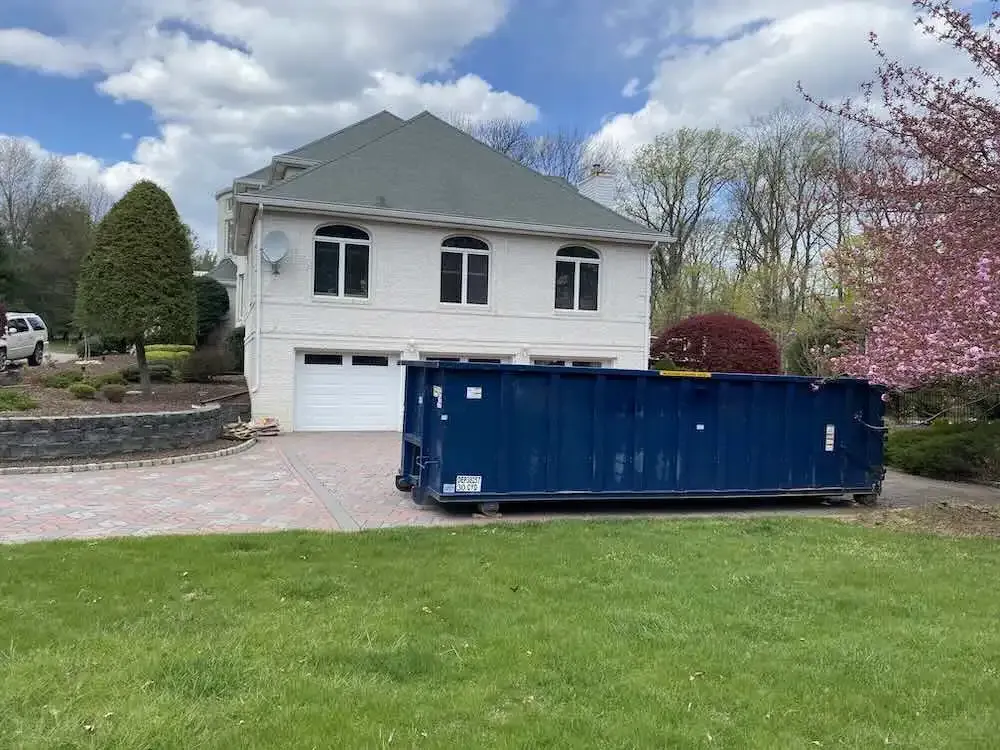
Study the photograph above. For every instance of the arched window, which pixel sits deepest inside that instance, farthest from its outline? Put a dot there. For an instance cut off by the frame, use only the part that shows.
(578, 274)
(341, 261)
(465, 271)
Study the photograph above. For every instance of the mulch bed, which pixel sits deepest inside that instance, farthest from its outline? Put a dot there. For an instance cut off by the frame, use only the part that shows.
(215, 445)
(943, 518)
(165, 396)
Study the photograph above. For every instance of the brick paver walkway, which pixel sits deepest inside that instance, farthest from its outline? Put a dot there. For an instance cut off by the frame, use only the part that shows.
(292, 482)
(305, 481)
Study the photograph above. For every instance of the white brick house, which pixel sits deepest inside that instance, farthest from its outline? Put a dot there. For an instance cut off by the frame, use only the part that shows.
(410, 240)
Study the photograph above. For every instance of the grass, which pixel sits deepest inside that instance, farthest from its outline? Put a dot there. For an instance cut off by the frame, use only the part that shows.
(15, 400)
(746, 634)
(62, 347)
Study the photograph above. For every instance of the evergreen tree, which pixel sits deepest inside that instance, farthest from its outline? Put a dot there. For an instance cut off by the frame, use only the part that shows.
(212, 301)
(137, 281)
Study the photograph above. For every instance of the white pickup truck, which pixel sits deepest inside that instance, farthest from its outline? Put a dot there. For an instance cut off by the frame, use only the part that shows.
(25, 338)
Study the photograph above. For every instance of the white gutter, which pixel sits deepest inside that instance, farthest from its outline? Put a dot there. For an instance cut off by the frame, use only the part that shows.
(417, 217)
(260, 296)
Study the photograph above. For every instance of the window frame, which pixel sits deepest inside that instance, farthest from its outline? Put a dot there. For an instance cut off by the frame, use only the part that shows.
(464, 253)
(577, 262)
(11, 320)
(322, 359)
(341, 243)
(568, 362)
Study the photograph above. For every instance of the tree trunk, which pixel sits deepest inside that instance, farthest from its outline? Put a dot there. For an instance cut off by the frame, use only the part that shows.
(140, 357)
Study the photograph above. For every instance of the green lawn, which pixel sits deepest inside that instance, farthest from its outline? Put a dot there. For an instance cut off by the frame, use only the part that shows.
(62, 347)
(659, 634)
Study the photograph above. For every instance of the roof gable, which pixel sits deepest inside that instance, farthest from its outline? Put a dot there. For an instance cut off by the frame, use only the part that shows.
(429, 166)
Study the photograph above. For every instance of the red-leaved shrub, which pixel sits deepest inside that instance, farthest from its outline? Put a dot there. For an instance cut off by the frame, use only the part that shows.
(718, 342)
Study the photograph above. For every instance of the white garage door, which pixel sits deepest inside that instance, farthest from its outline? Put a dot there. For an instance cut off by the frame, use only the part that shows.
(347, 392)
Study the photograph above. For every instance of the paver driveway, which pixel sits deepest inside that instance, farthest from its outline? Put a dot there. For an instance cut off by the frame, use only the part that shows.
(305, 481)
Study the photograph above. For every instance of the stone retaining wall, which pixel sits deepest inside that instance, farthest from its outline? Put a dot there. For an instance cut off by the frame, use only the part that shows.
(94, 436)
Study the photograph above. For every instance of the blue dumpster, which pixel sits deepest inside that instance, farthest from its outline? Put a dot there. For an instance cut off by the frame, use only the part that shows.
(481, 433)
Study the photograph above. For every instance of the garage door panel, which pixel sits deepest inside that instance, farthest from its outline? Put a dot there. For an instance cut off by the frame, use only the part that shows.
(345, 396)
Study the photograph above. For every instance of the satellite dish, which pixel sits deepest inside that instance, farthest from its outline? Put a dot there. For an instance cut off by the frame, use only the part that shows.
(274, 248)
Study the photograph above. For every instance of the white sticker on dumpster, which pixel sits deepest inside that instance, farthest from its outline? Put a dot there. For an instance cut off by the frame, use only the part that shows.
(449, 489)
(465, 483)
(831, 432)
(474, 392)
(438, 393)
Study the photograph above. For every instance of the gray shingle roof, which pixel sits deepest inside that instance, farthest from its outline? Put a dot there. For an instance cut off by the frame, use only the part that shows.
(337, 144)
(258, 176)
(429, 166)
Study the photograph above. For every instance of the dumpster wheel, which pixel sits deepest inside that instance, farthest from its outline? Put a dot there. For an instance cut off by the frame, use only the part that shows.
(403, 484)
(489, 509)
(868, 499)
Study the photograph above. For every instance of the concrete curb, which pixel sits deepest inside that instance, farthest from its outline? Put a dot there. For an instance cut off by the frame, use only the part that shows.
(136, 464)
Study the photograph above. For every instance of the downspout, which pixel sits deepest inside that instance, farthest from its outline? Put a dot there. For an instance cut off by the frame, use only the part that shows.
(260, 295)
(647, 296)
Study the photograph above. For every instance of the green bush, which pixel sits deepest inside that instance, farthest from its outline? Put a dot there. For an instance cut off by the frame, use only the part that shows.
(664, 364)
(212, 307)
(111, 378)
(204, 365)
(101, 345)
(11, 400)
(234, 345)
(83, 390)
(172, 357)
(116, 345)
(159, 372)
(60, 380)
(114, 393)
(96, 343)
(961, 451)
(168, 348)
(818, 343)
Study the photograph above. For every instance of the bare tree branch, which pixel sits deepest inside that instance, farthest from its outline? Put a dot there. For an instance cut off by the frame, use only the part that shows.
(29, 186)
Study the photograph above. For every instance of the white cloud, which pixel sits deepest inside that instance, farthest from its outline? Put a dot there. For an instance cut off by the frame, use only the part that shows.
(746, 59)
(231, 82)
(29, 49)
(633, 47)
(631, 88)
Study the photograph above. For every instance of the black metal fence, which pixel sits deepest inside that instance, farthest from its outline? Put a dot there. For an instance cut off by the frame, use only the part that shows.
(953, 401)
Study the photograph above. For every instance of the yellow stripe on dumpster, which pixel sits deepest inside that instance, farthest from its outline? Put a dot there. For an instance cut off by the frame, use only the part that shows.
(685, 374)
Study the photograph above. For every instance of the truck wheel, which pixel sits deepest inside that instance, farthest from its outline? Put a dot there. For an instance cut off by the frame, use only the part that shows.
(868, 499)
(403, 484)
(3, 359)
(36, 356)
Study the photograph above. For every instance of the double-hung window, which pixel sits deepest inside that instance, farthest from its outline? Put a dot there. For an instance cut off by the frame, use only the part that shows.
(341, 262)
(465, 271)
(578, 271)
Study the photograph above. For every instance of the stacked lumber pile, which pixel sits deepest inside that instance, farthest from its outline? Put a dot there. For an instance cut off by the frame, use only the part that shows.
(255, 428)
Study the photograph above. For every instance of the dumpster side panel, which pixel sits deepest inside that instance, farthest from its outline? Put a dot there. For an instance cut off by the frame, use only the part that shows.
(573, 428)
(530, 432)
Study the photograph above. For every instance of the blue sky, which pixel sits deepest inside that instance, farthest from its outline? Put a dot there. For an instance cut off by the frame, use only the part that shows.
(192, 93)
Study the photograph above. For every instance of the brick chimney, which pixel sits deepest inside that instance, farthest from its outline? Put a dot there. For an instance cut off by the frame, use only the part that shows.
(599, 185)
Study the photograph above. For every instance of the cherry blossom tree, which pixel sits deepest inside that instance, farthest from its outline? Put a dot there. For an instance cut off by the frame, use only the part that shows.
(930, 208)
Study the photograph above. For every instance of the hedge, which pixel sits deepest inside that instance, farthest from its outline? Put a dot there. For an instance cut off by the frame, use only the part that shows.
(962, 451)
(151, 348)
